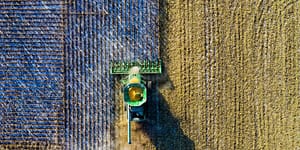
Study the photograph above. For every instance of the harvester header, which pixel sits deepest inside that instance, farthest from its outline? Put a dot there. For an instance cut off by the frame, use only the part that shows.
(146, 67)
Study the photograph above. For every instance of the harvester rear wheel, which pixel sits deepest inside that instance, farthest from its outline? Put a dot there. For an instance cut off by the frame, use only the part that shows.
(125, 107)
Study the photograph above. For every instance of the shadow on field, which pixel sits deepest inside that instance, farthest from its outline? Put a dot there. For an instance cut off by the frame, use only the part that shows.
(162, 128)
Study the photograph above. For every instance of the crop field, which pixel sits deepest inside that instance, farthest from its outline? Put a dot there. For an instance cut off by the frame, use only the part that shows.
(231, 79)
(231, 74)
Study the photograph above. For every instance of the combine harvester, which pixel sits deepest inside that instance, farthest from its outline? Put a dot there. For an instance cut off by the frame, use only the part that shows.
(134, 87)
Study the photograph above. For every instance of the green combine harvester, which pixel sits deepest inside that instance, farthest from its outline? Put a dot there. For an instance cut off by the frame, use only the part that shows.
(134, 87)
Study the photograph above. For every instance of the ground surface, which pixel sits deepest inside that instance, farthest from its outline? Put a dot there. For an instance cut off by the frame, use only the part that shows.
(232, 79)
(231, 74)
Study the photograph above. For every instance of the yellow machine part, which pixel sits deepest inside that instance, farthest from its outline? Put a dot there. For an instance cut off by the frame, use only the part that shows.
(135, 93)
(134, 80)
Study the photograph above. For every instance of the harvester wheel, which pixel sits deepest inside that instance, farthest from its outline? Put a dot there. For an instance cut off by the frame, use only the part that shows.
(125, 107)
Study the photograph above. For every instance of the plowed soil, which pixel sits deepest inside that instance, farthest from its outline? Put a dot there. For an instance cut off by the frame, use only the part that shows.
(231, 78)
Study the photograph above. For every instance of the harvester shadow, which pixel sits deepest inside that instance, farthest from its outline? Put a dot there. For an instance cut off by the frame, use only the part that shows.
(162, 128)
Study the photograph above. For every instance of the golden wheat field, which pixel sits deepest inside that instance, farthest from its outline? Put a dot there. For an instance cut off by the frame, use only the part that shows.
(231, 78)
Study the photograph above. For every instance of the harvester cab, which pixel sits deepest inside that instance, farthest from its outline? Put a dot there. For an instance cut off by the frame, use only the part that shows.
(135, 87)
